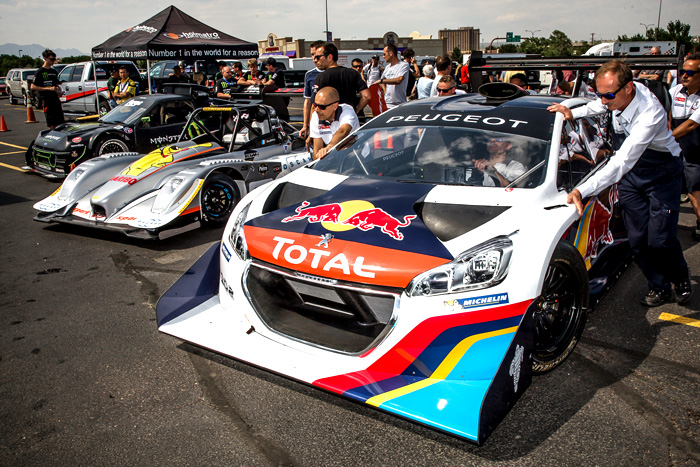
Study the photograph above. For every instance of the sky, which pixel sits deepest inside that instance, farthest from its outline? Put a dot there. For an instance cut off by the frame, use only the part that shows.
(84, 24)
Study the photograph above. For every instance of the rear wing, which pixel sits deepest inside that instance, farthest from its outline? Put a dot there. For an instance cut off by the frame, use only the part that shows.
(581, 64)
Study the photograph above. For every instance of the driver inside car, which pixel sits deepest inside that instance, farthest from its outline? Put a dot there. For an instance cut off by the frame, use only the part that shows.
(499, 169)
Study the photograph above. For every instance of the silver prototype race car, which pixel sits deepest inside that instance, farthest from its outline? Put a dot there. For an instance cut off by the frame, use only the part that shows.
(174, 189)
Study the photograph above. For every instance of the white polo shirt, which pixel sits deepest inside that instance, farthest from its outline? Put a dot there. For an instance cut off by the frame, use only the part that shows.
(645, 124)
(683, 105)
(324, 130)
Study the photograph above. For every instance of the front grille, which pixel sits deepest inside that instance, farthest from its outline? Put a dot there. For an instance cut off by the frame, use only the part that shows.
(44, 157)
(335, 316)
(98, 211)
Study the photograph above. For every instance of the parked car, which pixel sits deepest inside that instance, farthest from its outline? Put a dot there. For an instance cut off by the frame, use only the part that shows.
(141, 124)
(17, 82)
(398, 273)
(199, 179)
(78, 84)
(3, 86)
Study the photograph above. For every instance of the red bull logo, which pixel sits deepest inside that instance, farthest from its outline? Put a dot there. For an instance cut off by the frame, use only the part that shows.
(595, 226)
(351, 214)
(321, 213)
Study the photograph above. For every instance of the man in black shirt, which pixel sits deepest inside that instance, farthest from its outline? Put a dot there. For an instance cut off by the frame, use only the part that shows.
(177, 76)
(346, 81)
(275, 76)
(226, 85)
(46, 82)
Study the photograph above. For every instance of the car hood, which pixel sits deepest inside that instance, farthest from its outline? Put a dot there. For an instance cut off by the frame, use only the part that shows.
(361, 230)
(69, 133)
(146, 174)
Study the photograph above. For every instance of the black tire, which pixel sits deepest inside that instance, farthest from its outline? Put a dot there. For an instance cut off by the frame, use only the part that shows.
(111, 144)
(219, 197)
(11, 98)
(24, 98)
(104, 107)
(561, 309)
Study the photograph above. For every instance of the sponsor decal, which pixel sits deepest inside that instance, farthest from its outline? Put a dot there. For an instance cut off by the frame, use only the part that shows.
(320, 259)
(77, 139)
(351, 214)
(462, 304)
(436, 117)
(48, 206)
(53, 137)
(148, 223)
(120, 178)
(680, 98)
(515, 366)
(126, 218)
(128, 130)
(594, 228)
(225, 252)
(297, 159)
(161, 140)
(118, 127)
(262, 168)
(249, 155)
(142, 28)
(225, 285)
(132, 103)
(86, 212)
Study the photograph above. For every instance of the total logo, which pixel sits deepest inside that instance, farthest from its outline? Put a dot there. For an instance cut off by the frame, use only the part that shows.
(296, 254)
(338, 217)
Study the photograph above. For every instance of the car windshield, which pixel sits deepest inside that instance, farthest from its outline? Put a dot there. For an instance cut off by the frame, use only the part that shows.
(129, 112)
(441, 155)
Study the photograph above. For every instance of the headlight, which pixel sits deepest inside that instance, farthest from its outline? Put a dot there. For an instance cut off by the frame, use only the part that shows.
(480, 267)
(166, 196)
(70, 182)
(237, 238)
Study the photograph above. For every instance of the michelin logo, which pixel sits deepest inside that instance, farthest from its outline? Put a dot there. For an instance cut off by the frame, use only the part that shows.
(477, 302)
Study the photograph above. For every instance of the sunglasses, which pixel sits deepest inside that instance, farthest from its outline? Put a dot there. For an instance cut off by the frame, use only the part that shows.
(318, 57)
(324, 106)
(611, 95)
(441, 90)
(690, 73)
(51, 58)
(495, 140)
(357, 66)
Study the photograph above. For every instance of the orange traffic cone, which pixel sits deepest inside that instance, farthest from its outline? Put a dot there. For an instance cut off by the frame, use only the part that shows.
(3, 125)
(30, 113)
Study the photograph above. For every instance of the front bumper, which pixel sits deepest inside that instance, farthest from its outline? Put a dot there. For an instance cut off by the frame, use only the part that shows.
(456, 372)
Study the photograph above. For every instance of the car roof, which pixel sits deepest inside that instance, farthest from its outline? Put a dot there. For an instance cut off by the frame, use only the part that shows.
(526, 115)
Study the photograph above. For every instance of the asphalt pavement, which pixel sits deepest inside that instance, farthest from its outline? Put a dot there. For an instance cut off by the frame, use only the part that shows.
(86, 378)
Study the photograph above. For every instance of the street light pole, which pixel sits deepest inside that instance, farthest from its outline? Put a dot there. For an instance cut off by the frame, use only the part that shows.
(658, 23)
(20, 53)
(646, 27)
(532, 32)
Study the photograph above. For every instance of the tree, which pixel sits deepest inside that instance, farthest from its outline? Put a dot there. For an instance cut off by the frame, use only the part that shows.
(533, 45)
(456, 55)
(559, 45)
(508, 49)
(680, 33)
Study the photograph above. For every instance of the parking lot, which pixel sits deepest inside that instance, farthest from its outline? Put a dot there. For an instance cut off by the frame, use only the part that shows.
(87, 379)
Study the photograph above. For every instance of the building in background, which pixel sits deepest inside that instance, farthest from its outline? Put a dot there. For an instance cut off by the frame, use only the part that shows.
(466, 38)
(421, 44)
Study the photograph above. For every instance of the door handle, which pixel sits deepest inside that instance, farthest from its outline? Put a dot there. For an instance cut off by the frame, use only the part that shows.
(80, 88)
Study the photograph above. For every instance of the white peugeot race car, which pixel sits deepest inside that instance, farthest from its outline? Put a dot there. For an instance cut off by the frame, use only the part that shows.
(428, 266)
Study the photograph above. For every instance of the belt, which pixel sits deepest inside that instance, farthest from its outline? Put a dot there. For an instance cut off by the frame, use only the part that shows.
(652, 157)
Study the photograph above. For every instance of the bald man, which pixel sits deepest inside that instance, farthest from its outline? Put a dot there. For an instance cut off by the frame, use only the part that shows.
(330, 121)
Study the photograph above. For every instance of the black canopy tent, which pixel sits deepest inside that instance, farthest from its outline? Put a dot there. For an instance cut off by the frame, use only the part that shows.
(172, 34)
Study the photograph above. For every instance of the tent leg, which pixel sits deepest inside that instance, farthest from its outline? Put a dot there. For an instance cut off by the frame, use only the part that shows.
(148, 75)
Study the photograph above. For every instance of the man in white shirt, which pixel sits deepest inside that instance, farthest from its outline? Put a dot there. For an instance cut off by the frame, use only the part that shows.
(648, 168)
(394, 77)
(330, 121)
(373, 70)
(443, 67)
(685, 123)
(499, 169)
